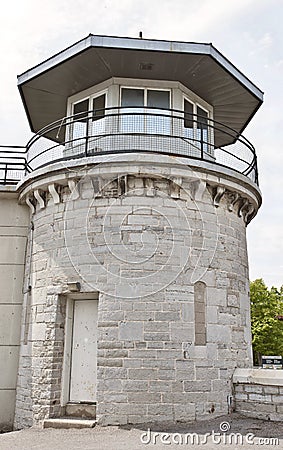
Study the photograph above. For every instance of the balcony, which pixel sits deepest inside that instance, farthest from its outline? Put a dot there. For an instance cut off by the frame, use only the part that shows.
(127, 130)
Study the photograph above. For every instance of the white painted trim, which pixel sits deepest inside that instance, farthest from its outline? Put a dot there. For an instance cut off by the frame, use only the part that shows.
(142, 84)
(85, 94)
(65, 385)
(67, 357)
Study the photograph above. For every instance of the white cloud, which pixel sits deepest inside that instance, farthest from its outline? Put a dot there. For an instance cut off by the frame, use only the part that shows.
(265, 42)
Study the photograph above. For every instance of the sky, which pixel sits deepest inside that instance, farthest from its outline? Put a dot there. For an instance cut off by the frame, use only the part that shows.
(248, 32)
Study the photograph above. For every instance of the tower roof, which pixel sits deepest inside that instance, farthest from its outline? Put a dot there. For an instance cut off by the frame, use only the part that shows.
(200, 67)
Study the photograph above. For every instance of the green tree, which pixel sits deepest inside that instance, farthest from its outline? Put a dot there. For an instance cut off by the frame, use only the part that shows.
(267, 328)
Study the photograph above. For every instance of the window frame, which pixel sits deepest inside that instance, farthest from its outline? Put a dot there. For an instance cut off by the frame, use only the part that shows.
(210, 133)
(145, 89)
(90, 99)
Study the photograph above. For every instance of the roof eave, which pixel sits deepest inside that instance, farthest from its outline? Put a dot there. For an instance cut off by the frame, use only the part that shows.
(125, 43)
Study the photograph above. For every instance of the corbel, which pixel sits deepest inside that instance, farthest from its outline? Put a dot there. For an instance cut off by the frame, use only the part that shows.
(30, 204)
(54, 193)
(74, 189)
(175, 186)
(39, 199)
(234, 197)
(219, 192)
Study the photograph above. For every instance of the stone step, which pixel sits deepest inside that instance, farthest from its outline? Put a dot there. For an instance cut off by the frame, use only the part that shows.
(81, 410)
(69, 422)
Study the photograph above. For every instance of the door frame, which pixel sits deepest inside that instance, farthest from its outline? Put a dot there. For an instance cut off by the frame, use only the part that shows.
(67, 357)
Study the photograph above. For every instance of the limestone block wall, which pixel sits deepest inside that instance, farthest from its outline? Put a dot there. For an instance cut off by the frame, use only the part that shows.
(259, 393)
(142, 233)
(14, 222)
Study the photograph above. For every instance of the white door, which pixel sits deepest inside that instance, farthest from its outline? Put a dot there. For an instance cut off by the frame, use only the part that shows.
(84, 351)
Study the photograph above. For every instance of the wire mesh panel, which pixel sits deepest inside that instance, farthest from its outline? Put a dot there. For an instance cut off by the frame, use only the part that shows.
(12, 164)
(139, 129)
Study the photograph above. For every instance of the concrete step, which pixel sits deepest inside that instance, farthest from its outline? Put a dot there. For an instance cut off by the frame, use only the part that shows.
(82, 410)
(69, 422)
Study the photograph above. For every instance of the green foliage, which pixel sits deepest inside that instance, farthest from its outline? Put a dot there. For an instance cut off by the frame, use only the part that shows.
(267, 330)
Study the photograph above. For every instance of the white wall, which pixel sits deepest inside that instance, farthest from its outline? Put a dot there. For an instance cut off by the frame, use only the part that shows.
(14, 221)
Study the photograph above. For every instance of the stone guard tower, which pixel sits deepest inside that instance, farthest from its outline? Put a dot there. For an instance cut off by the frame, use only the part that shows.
(139, 185)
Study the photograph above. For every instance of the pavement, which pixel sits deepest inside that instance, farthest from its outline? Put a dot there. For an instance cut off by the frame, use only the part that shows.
(227, 432)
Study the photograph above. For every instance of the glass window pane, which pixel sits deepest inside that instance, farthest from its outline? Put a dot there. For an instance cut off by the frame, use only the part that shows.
(132, 97)
(158, 99)
(98, 106)
(202, 128)
(188, 114)
(79, 127)
(81, 107)
(202, 118)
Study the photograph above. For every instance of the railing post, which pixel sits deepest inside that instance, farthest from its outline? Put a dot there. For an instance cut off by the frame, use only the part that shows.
(5, 173)
(201, 140)
(255, 168)
(86, 137)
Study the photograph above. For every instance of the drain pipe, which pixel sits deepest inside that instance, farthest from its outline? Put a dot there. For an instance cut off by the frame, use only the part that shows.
(27, 284)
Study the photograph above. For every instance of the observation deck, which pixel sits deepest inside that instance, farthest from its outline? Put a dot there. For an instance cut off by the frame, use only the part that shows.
(128, 130)
(108, 94)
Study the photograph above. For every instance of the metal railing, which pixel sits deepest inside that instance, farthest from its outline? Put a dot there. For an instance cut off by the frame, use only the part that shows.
(120, 130)
(13, 164)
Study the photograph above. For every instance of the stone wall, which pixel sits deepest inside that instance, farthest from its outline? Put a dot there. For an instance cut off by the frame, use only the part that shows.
(141, 235)
(259, 393)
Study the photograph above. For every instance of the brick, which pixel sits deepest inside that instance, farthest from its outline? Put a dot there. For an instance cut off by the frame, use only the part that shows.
(157, 337)
(110, 397)
(253, 389)
(166, 374)
(134, 386)
(277, 399)
(110, 362)
(156, 326)
(270, 390)
(112, 373)
(142, 374)
(167, 316)
(197, 386)
(184, 413)
(160, 410)
(241, 396)
(206, 373)
(144, 397)
(131, 331)
(260, 398)
(156, 345)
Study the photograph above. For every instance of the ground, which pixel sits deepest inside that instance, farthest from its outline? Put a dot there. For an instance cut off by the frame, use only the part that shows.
(252, 433)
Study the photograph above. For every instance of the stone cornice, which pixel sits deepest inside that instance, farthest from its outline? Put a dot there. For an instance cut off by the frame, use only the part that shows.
(113, 180)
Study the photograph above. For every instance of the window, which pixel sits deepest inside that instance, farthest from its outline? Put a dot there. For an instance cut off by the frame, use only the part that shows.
(202, 128)
(89, 119)
(140, 118)
(138, 115)
(98, 107)
(196, 126)
(151, 98)
(132, 97)
(97, 125)
(79, 127)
